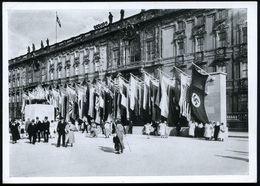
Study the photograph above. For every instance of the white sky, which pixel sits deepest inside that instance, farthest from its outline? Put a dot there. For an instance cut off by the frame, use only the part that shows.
(31, 26)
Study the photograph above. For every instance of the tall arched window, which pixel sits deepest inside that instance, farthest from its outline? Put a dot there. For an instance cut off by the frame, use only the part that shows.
(134, 50)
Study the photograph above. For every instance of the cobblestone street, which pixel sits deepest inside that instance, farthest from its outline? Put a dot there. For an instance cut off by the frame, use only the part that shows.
(145, 157)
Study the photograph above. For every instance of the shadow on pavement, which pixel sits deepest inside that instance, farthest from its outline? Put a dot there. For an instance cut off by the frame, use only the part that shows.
(242, 152)
(106, 149)
(232, 157)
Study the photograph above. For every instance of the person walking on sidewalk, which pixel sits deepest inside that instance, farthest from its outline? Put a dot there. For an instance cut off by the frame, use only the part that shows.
(32, 131)
(70, 138)
(46, 129)
(222, 130)
(14, 127)
(118, 133)
(39, 128)
(61, 132)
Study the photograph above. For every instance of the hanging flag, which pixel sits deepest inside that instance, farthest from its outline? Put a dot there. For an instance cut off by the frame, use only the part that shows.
(183, 102)
(62, 102)
(154, 91)
(24, 97)
(133, 89)
(81, 94)
(58, 20)
(146, 100)
(197, 96)
(164, 103)
(123, 86)
(91, 102)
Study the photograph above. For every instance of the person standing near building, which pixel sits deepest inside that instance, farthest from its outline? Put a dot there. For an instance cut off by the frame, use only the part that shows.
(26, 125)
(162, 129)
(221, 134)
(147, 129)
(22, 129)
(207, 131)
(52, 129)
(107, 129)
(32, 131)
(93, 129)
(46, 128)
(39, 128)
(200, 130)
(118, 136)
(14, 127)
(70, 138)
(61, 132)
(130, 129)
(216, 130)
(191, 129)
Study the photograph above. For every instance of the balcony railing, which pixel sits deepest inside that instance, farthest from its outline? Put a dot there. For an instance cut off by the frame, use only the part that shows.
(237, 116)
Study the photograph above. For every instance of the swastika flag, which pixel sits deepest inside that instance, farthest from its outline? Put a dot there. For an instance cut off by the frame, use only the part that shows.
(197, 92)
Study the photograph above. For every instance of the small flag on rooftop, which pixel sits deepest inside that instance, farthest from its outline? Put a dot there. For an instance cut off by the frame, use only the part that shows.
(58, 20)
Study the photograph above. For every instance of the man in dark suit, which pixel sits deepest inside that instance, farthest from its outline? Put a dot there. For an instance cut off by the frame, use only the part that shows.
(61, 132)
(32, 131)
(46, 127)
(38, 128)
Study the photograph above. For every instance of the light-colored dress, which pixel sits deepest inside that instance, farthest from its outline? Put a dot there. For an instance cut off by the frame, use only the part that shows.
(221, 134)
(52, 129)
(192, 129)
(147, 128)
(69, 129)
(162, 129)
(208, 131)
(107, 129)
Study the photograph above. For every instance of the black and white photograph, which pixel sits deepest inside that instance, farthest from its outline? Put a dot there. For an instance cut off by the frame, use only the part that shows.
(129, 92)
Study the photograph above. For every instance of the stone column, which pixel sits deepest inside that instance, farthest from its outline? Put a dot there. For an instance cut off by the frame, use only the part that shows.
(215, 101)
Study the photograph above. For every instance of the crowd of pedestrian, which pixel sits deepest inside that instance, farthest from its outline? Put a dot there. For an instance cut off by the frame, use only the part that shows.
(210, 131)
(37, 130)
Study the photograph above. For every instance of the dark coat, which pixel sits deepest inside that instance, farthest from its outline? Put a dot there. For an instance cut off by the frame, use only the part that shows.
(32, 129)
(39, 126)
(61, 127)
(216, 131)
(46, 125)
(15, 132)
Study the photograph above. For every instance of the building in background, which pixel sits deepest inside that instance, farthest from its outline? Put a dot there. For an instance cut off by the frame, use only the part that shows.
(214, 39)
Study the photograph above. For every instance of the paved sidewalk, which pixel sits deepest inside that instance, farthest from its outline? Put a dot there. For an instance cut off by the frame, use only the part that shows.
(148, 157)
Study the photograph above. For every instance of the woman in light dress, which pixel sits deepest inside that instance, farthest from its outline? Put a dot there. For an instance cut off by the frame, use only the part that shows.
(191, 129)
(52, 129)
(70, 138)
(162, 129)
(107, 129)
(221, 134)
(148, 129)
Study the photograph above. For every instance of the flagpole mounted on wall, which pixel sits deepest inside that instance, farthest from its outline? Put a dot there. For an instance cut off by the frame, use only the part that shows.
(56, 26)
(57, 21)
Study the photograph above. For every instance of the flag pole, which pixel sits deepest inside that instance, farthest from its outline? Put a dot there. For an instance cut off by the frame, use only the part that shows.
(150, 75)
(202, 69)
(166, 74)
(141, 81)
(56, 25)
(119, 75)
(181, 71)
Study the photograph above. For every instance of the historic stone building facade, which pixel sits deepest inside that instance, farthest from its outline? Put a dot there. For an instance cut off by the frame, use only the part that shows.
(215, 40)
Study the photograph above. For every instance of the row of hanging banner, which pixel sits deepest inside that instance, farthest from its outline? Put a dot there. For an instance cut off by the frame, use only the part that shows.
(167, 98)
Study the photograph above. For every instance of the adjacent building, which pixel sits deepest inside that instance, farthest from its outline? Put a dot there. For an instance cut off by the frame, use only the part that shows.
(214, 39)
